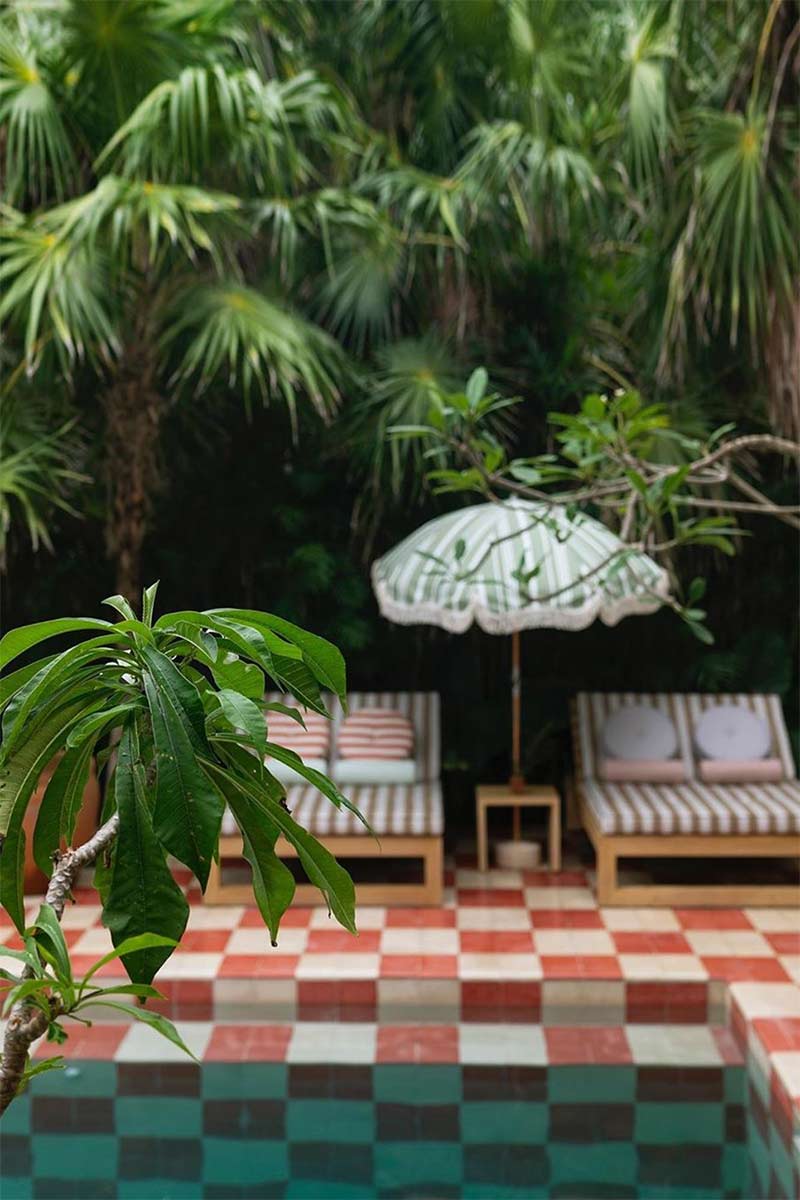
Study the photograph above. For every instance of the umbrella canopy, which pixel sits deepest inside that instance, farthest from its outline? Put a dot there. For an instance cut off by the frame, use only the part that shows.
(512, 566)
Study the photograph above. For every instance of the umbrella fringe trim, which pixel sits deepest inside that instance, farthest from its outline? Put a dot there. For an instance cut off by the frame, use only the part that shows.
(534, 616)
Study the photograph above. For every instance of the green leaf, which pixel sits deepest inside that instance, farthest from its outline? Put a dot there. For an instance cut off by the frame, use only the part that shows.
(199, 639)
(143, 991)
(638, 481)
(44, 683)
(296, 677)
(56, 1063)
(324, 659)
(18, 778)
(49, 934)
(696, 590)
(25, 991)
(181, 696)
(319, 780)
(122, 607)
(273, 882)
(149, 602)
(525, 474)
(104, 863)
(144, 1015)
(7, 952)
(18, 640)
(318, 863)
(188, 811)
(721, 432)
(594, 407)
(11, 684)
(244, 714)
(131, 945)
(674, 481)
(403, 432)
(97, 722)
(243, 677)
(143, 896)
(287, 710)
(61, 804)
(476, 385)
(701, 633)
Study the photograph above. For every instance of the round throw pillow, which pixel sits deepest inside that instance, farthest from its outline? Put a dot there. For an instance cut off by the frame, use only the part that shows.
(636, 732)
(733, 732)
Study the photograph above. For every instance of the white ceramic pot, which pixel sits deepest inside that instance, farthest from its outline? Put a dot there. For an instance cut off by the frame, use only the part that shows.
(518, 856)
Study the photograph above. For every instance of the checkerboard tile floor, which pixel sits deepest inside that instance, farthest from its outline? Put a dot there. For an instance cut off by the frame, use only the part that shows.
(527, 955)
(502, 925)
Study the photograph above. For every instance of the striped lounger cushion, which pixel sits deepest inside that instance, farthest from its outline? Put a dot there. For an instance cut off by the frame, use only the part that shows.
(311, 742)
(695, 807)
(392, 811)
(380, 734)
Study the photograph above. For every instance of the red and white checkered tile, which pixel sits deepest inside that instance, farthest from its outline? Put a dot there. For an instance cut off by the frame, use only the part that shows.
(519, 966)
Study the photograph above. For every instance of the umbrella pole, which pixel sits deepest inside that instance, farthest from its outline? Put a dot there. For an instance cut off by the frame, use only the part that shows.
(517, 782)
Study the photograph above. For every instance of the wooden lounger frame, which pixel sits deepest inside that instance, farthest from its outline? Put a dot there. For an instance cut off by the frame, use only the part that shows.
(611, 847)
(428, 849)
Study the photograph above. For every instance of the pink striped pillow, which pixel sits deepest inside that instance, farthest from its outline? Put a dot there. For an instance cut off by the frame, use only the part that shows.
(379, 734)
(311, 742)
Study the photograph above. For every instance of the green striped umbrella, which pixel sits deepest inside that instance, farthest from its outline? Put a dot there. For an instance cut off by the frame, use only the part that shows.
(511, 566)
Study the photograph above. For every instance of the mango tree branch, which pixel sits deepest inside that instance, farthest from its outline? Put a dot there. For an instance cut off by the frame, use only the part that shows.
(26, 1022)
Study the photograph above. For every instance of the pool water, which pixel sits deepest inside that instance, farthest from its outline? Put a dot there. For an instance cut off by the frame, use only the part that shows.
(261, 1130)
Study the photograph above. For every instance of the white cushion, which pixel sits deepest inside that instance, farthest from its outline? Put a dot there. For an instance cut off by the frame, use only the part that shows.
(732, 731)
(637, 731)
(375, 770)
(288, 775)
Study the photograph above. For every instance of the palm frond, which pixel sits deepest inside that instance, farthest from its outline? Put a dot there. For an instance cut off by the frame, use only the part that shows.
(539, 178)
(401, 388)
(39, 162)
(230, 328)
(40, 464)
(56, 269)
(356, 296)
(429, 207)
(650, 46)
(543, 51)
(211, 117)
(55, 289)
(736, 257)
(159, 214)
(123, 50)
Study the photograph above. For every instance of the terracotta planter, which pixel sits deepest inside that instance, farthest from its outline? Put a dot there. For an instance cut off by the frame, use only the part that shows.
(85, 826)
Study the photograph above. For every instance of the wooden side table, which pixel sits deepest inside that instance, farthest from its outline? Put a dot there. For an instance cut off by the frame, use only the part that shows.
(499, 795)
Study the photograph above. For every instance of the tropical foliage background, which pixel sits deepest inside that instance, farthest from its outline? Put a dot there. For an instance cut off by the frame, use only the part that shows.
(240, 241)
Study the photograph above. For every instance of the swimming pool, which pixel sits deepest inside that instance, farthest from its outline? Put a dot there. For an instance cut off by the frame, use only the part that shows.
(261, 1130)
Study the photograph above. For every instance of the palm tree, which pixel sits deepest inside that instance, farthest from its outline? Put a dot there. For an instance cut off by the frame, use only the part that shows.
(250, 197)
(158, 171)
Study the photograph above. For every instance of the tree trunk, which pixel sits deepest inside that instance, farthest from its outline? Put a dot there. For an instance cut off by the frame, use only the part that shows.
(133, 410)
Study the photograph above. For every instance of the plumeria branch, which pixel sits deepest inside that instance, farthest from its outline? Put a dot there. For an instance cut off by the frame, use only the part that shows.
(607, 460)
(28, 1022)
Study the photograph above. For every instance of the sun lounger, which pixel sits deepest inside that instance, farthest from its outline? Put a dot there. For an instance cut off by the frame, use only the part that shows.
(407, 818)
(690, 818)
